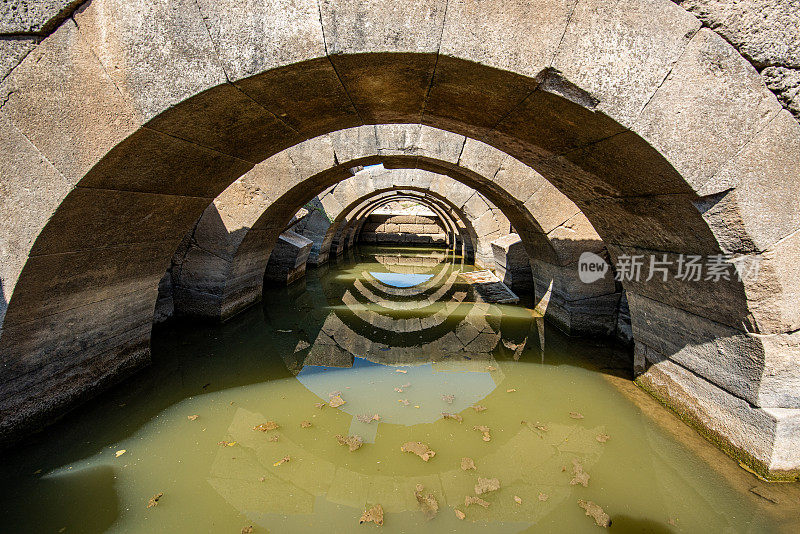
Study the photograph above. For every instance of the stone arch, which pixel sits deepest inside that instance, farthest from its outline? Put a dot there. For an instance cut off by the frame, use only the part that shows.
(349, 232)
(663, 135)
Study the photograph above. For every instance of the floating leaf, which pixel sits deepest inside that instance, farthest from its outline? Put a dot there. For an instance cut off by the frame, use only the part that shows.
(581, 477)
(120, 453)
(192, 417)
(475, 500)
(154, 500)
(418, 448)
(453, 416)
(576, 415)
(248, 530)
(486, 485)
(467, 463)
(320, 405)
(353, 442)
(273, 438)
(459, 514)
(226, 443)
(427, 503)
(336, 401)
(264, 427)
(404, 402)
(281, 461)
(400, 371)
(517, 500)
(594, 511)
(485, 430)
(602, 438)
(368, 418)
(305, 424)
(512, 390)
(543, 497)
(478, 407)
(373, 515)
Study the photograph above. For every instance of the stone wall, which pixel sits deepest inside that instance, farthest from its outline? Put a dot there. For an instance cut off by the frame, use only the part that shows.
(400, 228)
(763, 31)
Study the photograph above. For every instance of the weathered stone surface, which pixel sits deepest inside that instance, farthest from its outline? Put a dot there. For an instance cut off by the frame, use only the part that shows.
(253, 36)
(766, 439)
(34, 16)
(23, 209)
(287, 261)
(76, 125)
(764, 31)
(756, 368)
(12, 51)
(785, 83)
(152, 78)
(635, 42)
(760, 206)
(512, 263)
(711, 104)
(523, 35)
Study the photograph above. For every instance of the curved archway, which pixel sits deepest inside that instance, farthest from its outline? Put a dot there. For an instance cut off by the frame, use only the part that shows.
(664, 152)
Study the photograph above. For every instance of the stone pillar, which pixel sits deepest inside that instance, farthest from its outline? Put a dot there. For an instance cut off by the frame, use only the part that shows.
(287, 262)
(511, 263)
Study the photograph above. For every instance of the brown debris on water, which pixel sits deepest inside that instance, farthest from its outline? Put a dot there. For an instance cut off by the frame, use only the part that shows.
(448, 398)
(418, 448)
(491, 368)
(404, 402)
(282, 461)
(368, 418)
(517, 500)
(576, 415)
(467, 464)
(485, 430)
(192, 417)
(154, 499)
(320, 405)
(352, 442)
(226, 443)
(475, 500)
(580, 476)
(305, 424)
(265, 427)
(478, 407)
(248, 530)
(372, 515)
(602, 438)
(595, 512)
(486, 485)
(273, 438)
(401, 371)
(427, 503)
(399, 390)
(336, 401)
(511, 390)
(453, 416)
(459, 514)
(543, 497)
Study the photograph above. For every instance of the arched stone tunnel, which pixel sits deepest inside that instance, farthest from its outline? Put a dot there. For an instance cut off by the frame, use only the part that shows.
(660, 140)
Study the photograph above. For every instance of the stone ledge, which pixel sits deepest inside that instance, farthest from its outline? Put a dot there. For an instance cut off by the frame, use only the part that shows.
(763, 440)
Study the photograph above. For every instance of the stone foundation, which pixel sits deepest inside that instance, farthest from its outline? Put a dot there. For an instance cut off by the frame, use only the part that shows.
(287, 262)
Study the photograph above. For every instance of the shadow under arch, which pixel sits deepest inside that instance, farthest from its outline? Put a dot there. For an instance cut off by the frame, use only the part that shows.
(128, 213)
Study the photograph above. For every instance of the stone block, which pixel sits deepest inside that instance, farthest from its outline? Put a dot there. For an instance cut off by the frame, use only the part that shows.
(620, 54)
(711, 104)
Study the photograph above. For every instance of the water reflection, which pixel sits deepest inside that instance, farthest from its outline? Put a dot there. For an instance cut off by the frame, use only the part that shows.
(407, 354)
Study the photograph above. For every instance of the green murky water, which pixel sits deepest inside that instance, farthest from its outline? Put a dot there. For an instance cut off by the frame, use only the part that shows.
(395, 333)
